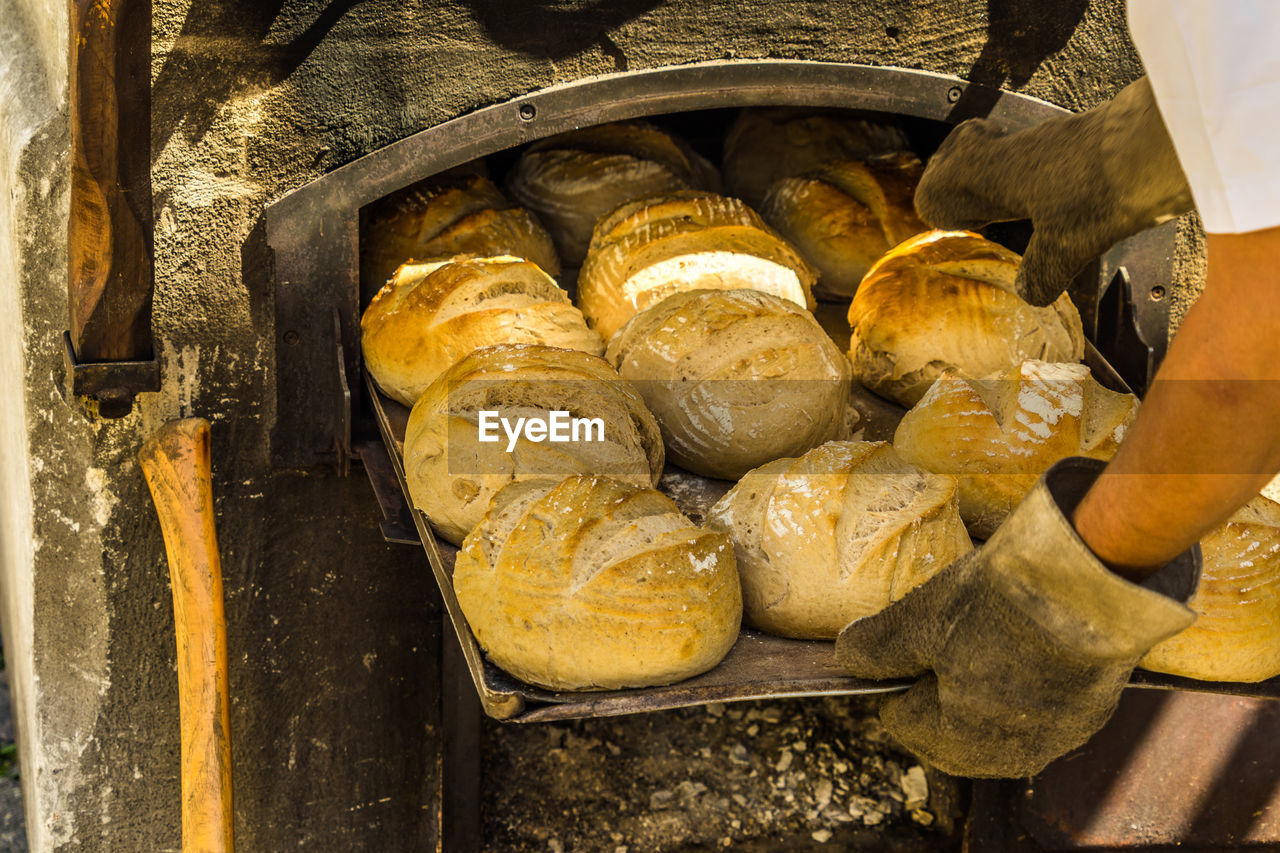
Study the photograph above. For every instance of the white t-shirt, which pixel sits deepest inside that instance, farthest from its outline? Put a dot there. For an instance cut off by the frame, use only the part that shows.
(1215, 71)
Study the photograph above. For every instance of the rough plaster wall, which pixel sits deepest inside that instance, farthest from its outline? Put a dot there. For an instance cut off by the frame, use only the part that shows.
(332, 646)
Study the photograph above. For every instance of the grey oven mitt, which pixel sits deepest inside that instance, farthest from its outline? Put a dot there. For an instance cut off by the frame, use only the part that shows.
(1085, 181)
(1022, 646)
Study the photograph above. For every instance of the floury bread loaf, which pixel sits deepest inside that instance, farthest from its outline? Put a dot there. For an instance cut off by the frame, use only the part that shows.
(596, 584)
(1236, 635)
(429, 315)
(767, 144)
(945, 300)
(845, 214)
(492, 418)
(838, 534)
(573, 179)
(736, 378)
(648, 249)
(997, 436)
(447, 215)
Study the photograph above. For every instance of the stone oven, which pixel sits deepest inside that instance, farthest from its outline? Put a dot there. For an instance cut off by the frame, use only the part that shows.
(355, 724)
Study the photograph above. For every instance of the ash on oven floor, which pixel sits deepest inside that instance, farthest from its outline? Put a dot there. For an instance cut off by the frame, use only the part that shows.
(751, 776)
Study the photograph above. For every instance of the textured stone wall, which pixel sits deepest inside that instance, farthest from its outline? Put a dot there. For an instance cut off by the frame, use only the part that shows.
(333, 648)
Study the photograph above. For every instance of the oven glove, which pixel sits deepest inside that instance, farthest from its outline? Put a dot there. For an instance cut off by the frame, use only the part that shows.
(1022, 646)
(1085, 181)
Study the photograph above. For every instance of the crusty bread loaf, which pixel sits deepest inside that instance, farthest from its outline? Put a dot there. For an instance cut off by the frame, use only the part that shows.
(452, 474)
(430, 315)
(1236, 636)
(735, 378)
(845, 214)
(998, 435)
(573, 179)
(648, 249)
(836, 535)
(447, 215)
(945, 300)
(767, 144)
(592, 583)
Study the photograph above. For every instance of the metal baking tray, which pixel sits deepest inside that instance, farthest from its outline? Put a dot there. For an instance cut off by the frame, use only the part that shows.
(759, 666)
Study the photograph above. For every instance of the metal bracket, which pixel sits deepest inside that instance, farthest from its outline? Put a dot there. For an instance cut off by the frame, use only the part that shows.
(112, 384)
(397, 519)
(342, 415)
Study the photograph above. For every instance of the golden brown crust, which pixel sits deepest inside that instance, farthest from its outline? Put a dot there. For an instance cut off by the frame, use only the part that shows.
(1236, 636)
(765, 145)
(945, 300)
(590, 583)
(838, 534)
(452, 475)
(844, 215)
(651, 248)
(430, 315)
(446, 215)
(735, 378)
(997, 436)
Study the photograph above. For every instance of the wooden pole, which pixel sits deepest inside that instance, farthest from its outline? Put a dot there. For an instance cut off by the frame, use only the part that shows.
(176, 464)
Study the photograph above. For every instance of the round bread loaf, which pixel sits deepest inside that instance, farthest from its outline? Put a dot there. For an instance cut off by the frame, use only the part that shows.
(766, 144)
(845, 214)
(453, 471)
(997, 436)
(1236, 636)
(572, 179)
(596, 584)
(945, 300)
(838, 534)
(735, 378)
(447, 215)
(650, 248)
(430, 315)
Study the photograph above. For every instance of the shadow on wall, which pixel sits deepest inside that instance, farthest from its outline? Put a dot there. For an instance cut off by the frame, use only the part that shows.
(1020, 36)
(554, 29)
(218, 73)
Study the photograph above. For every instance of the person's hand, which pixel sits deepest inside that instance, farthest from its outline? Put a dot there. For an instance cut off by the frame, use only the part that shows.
(1085, 181)
(1021, 647)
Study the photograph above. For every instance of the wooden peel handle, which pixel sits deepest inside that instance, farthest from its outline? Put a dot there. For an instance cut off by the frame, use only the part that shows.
(176, 464)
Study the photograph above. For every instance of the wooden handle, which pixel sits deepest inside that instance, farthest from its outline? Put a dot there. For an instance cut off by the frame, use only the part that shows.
(175, 462)
(109, 234)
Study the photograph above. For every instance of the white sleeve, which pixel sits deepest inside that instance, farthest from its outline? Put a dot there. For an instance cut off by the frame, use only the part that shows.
(1215, 71)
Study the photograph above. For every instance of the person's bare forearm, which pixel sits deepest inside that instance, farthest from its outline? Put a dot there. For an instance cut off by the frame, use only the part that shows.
(1207, 438)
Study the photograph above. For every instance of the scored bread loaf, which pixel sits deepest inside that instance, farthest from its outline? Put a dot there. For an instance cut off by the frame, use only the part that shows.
(452, 473)
(845, 214)
(945, 300)
(650, 248)
(1236, 635)
(838, 534)
(430, 315)
(997, 436)
(735, 378)
(572, 179)
(591, 583)
(447, 215)
(766, 144)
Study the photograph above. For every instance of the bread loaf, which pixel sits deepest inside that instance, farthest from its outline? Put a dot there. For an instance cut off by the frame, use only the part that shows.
(447, 215)
(997, 436)
(836, 535)
(845, 214)
(452, 473)
(573, 179)
(945, 300)
(767, 144)
(1236, 636)
(648, 249)
(592, 583)
(430, 315)
(735, 378)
